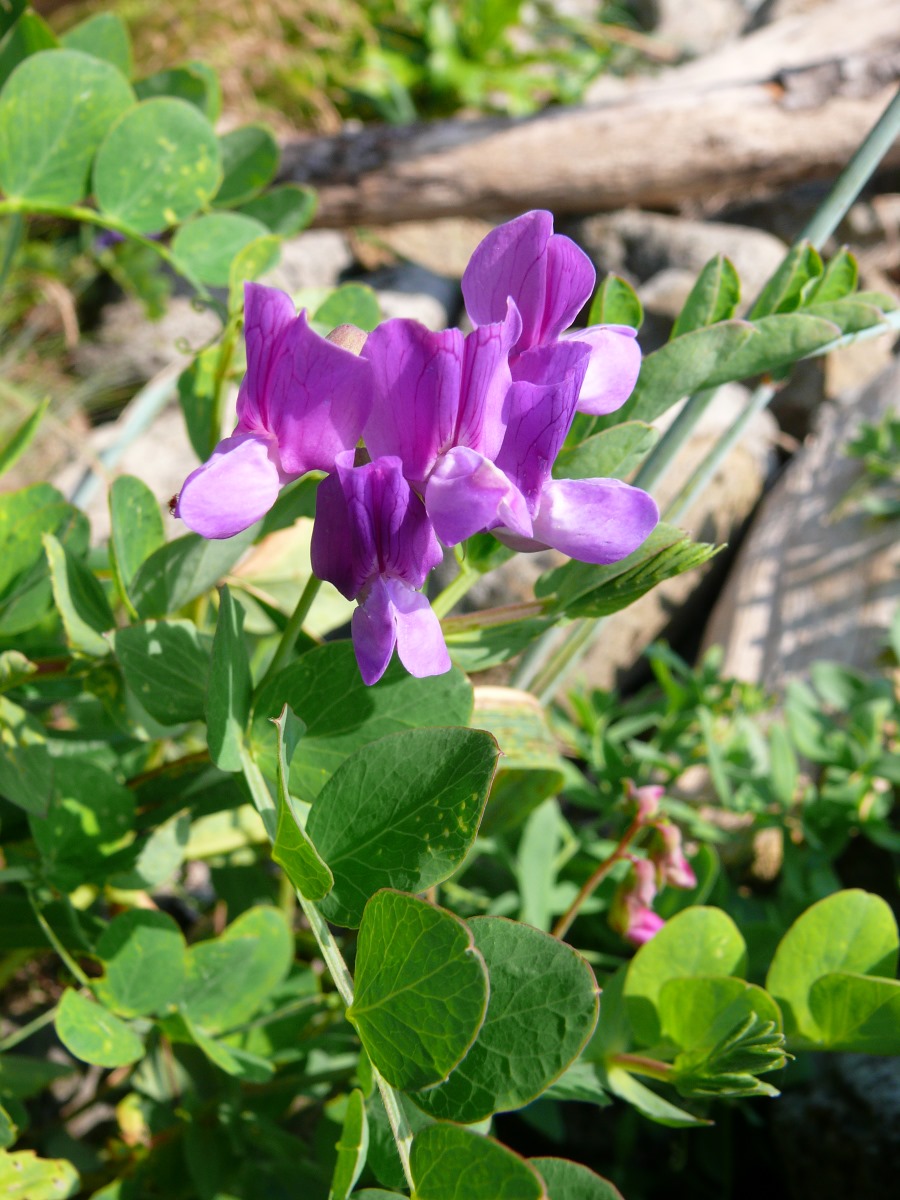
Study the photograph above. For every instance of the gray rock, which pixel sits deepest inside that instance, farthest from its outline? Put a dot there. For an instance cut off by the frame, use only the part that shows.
(642, 244)
(700, 26)
(315, 259)
(410, 290)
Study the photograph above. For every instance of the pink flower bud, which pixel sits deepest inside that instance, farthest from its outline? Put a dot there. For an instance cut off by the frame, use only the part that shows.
(668, 856)
(632, 913)
(647, 799)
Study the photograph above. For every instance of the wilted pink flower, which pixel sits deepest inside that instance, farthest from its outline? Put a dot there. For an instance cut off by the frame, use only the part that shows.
(550, 279)
(668, 856)
(302, 402)
(373, 541)
(632, 913)
(646, 799)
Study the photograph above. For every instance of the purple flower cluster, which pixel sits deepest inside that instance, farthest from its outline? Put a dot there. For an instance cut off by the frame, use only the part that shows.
(460, 431)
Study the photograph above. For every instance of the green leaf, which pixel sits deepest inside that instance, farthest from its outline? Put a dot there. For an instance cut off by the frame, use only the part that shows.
(137, 527)
(157, 166)
(249, 161)
(249, 263)
(647, 1102)
(230, 686)
(714, 297)
(22, 437)
(233, 1061)
(452, 1163)
(341, 714)
(401, 812)
(850, 315)
(776, 342)
(15, 668)
(351, 304)
(25, 592)
(838, 280)
(480, 648)
(784, 290)
(230, 977)
(55, 110)
(143, 956)
(23, 1077)
(195, 83)
(857, 1012)
(784, 771)
(103, 36)
(207, 245)
(616, 303)
(682, 366)
(421, 989)
(10, 11)
(698, 941)
(586, 590)
(352, 1147)
(9, 1131)
(26, 768)
(24, 1176)
(28, 35)
(159, 856)
(90, 818)
(851, 931)
(180, 571)
(91, 1033)
(197, 391)
(284, 210)
(531, 768)
(566, 1180)
(167, 666)
(695, 1010)
(541, 1012)
(612, 454)
(536, 865)
(80, 600)
(292, 849)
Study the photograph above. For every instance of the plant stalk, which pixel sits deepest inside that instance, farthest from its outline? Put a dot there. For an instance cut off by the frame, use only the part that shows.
(288, 640)
(564, 924)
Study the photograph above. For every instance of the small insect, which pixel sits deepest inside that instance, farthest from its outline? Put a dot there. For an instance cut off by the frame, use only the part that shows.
(173, 504)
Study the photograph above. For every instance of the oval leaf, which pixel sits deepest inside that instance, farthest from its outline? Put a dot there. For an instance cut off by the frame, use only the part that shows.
(143, 954)
(249, 161)
(451, 1163)
(55, 110)
(90, 1032)
(848, 931)
(157, 165)
(571, 1181)
(421, 989)
(402, 812)
(542, 1010)
(698, 941)
(206, 245)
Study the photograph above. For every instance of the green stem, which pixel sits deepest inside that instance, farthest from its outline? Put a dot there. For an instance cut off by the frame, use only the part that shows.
(485, 618)
(656, 465)
(25, 1031)
(333, 959)
(77, 212)
(637, 1064)
(454, 591)
(291, 632)
(54, 941)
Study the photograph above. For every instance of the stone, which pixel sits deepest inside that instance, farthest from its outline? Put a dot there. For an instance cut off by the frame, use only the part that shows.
(698, 27)
(316, 259)
(813, 581)
(410, 290)
(444, 245)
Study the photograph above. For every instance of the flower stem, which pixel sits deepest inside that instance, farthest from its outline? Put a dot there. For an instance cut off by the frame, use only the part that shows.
(562, 926)
(291, 632)
(25, 1031)
(454, 591)
(484, 618)
(334, 961)
(13, 241)
(54, 941)
(638, 1064)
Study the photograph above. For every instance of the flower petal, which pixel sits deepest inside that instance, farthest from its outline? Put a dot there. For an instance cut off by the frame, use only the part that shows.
(542, 401)
(467, 493)
(417, 375)
(267, 314)
(373, 632)
(337, 550)
(420, 642)
(484, 385)
(237, 486)
(318, 398)
(546, 274)
(613, 367)
(594, 520)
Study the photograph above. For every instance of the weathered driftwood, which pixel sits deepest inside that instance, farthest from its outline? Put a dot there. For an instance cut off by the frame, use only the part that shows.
(809, 583)
(788, 103)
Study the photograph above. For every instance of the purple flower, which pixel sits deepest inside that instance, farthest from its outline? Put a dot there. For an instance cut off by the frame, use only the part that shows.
(302, 402)
(373, 541)
(550, 279)
(592, 520)
(441, 401)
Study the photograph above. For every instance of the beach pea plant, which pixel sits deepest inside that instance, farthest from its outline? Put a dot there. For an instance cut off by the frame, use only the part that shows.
(282, 906)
